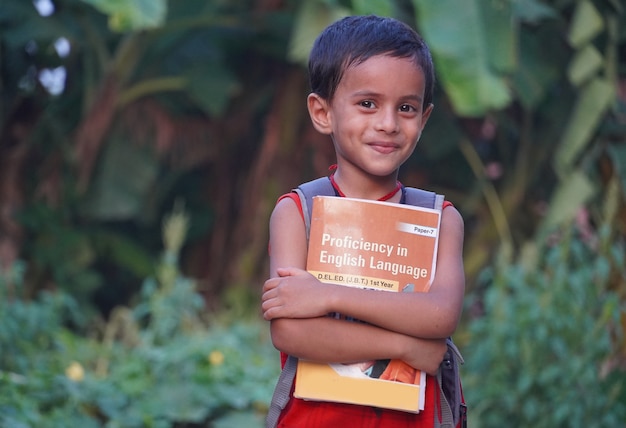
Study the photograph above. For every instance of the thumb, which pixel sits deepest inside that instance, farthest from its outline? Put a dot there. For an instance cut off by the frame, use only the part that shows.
(288, 271)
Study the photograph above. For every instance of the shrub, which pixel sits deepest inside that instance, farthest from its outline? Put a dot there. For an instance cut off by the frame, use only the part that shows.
(541, 354)
(162, 363)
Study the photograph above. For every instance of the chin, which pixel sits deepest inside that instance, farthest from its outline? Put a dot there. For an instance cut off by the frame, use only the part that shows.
(383, 170)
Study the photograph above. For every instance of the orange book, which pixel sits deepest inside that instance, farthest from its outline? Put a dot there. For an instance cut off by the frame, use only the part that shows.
(374, 245)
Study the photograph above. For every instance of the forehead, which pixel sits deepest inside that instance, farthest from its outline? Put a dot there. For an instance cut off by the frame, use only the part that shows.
(384, 72)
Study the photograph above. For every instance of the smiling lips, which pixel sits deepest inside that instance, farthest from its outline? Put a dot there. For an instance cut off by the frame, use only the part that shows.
(384, 148)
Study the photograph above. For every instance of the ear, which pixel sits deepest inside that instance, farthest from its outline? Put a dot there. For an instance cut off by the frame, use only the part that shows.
(319, 112)
(426, 114)
(425, 117)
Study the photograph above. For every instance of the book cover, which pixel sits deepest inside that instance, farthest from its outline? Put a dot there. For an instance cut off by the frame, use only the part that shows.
(380, 246)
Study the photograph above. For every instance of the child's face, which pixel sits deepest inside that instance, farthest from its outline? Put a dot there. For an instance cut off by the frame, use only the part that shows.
(375, 117)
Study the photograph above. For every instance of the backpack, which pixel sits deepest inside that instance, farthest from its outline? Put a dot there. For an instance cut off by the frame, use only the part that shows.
(452, 409)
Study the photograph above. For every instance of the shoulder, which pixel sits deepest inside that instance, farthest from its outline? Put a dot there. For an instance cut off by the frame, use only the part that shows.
(452, 223)
(287, 215)
(288, 204)
(287, 235)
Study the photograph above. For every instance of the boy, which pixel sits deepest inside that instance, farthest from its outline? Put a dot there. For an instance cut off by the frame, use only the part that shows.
(372, 83)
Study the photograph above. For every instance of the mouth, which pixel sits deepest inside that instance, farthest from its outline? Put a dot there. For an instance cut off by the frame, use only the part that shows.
(384, 148)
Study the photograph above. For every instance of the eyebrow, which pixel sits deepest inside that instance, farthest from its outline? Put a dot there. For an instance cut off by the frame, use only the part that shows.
(366, 94)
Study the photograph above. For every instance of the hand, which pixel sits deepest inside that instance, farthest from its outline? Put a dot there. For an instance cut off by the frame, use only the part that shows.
(426, 354)
(295, 293)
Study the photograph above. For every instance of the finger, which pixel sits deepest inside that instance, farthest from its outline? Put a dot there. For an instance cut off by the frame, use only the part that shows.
(289, 271)
(298, 271)
(265, 306)
(270, 284)
(268, 295)
(269, 313)
(282, 272)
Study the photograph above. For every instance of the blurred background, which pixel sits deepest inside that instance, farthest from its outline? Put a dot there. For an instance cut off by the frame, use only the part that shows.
(143, 144)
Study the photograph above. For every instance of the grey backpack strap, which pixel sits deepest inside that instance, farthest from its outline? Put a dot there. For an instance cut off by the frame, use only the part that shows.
(318, 187)
(447, 419)
(448, 378)
(282, 392)
(423, 198)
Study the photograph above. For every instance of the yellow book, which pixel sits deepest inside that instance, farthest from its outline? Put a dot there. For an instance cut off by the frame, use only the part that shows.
(374, 245)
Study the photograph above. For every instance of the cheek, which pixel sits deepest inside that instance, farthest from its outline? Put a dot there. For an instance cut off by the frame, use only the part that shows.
(413, 130)
(349, 125)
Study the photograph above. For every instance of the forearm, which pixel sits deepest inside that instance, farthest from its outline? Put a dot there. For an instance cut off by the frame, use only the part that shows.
(299, 295)
(431, 314)
(330, 340)
(338, 341)
(426, 315)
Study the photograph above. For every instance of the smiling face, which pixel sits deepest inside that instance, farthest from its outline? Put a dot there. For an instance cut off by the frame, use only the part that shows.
(375, 117)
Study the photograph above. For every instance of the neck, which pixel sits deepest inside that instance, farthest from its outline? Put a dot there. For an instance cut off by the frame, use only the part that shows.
(385, 189)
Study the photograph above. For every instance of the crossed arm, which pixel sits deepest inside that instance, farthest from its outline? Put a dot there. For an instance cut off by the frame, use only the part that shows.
(411, 327)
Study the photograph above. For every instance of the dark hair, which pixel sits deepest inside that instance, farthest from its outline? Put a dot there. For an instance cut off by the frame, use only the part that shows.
(354, 39)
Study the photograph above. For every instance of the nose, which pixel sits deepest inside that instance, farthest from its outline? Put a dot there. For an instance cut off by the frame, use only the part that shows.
(387, 121)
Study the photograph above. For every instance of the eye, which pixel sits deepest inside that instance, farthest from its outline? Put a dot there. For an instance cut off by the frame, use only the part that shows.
(367, 104)
(407, 108)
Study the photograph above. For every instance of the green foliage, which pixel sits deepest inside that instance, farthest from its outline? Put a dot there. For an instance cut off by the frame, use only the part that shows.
(541, 355)
(67, 254)
(470, 57)
(159, 364)
(132, 15)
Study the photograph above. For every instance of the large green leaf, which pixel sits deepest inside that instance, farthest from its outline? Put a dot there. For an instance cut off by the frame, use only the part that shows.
(461, 50)
(586, 63)
(132, 15)
(533, 11)
(594, 100)
(568, 198)
(313, 16)
(212, 88)
(540, 67)
(586, 24)
(124, 182)
(500, 36)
